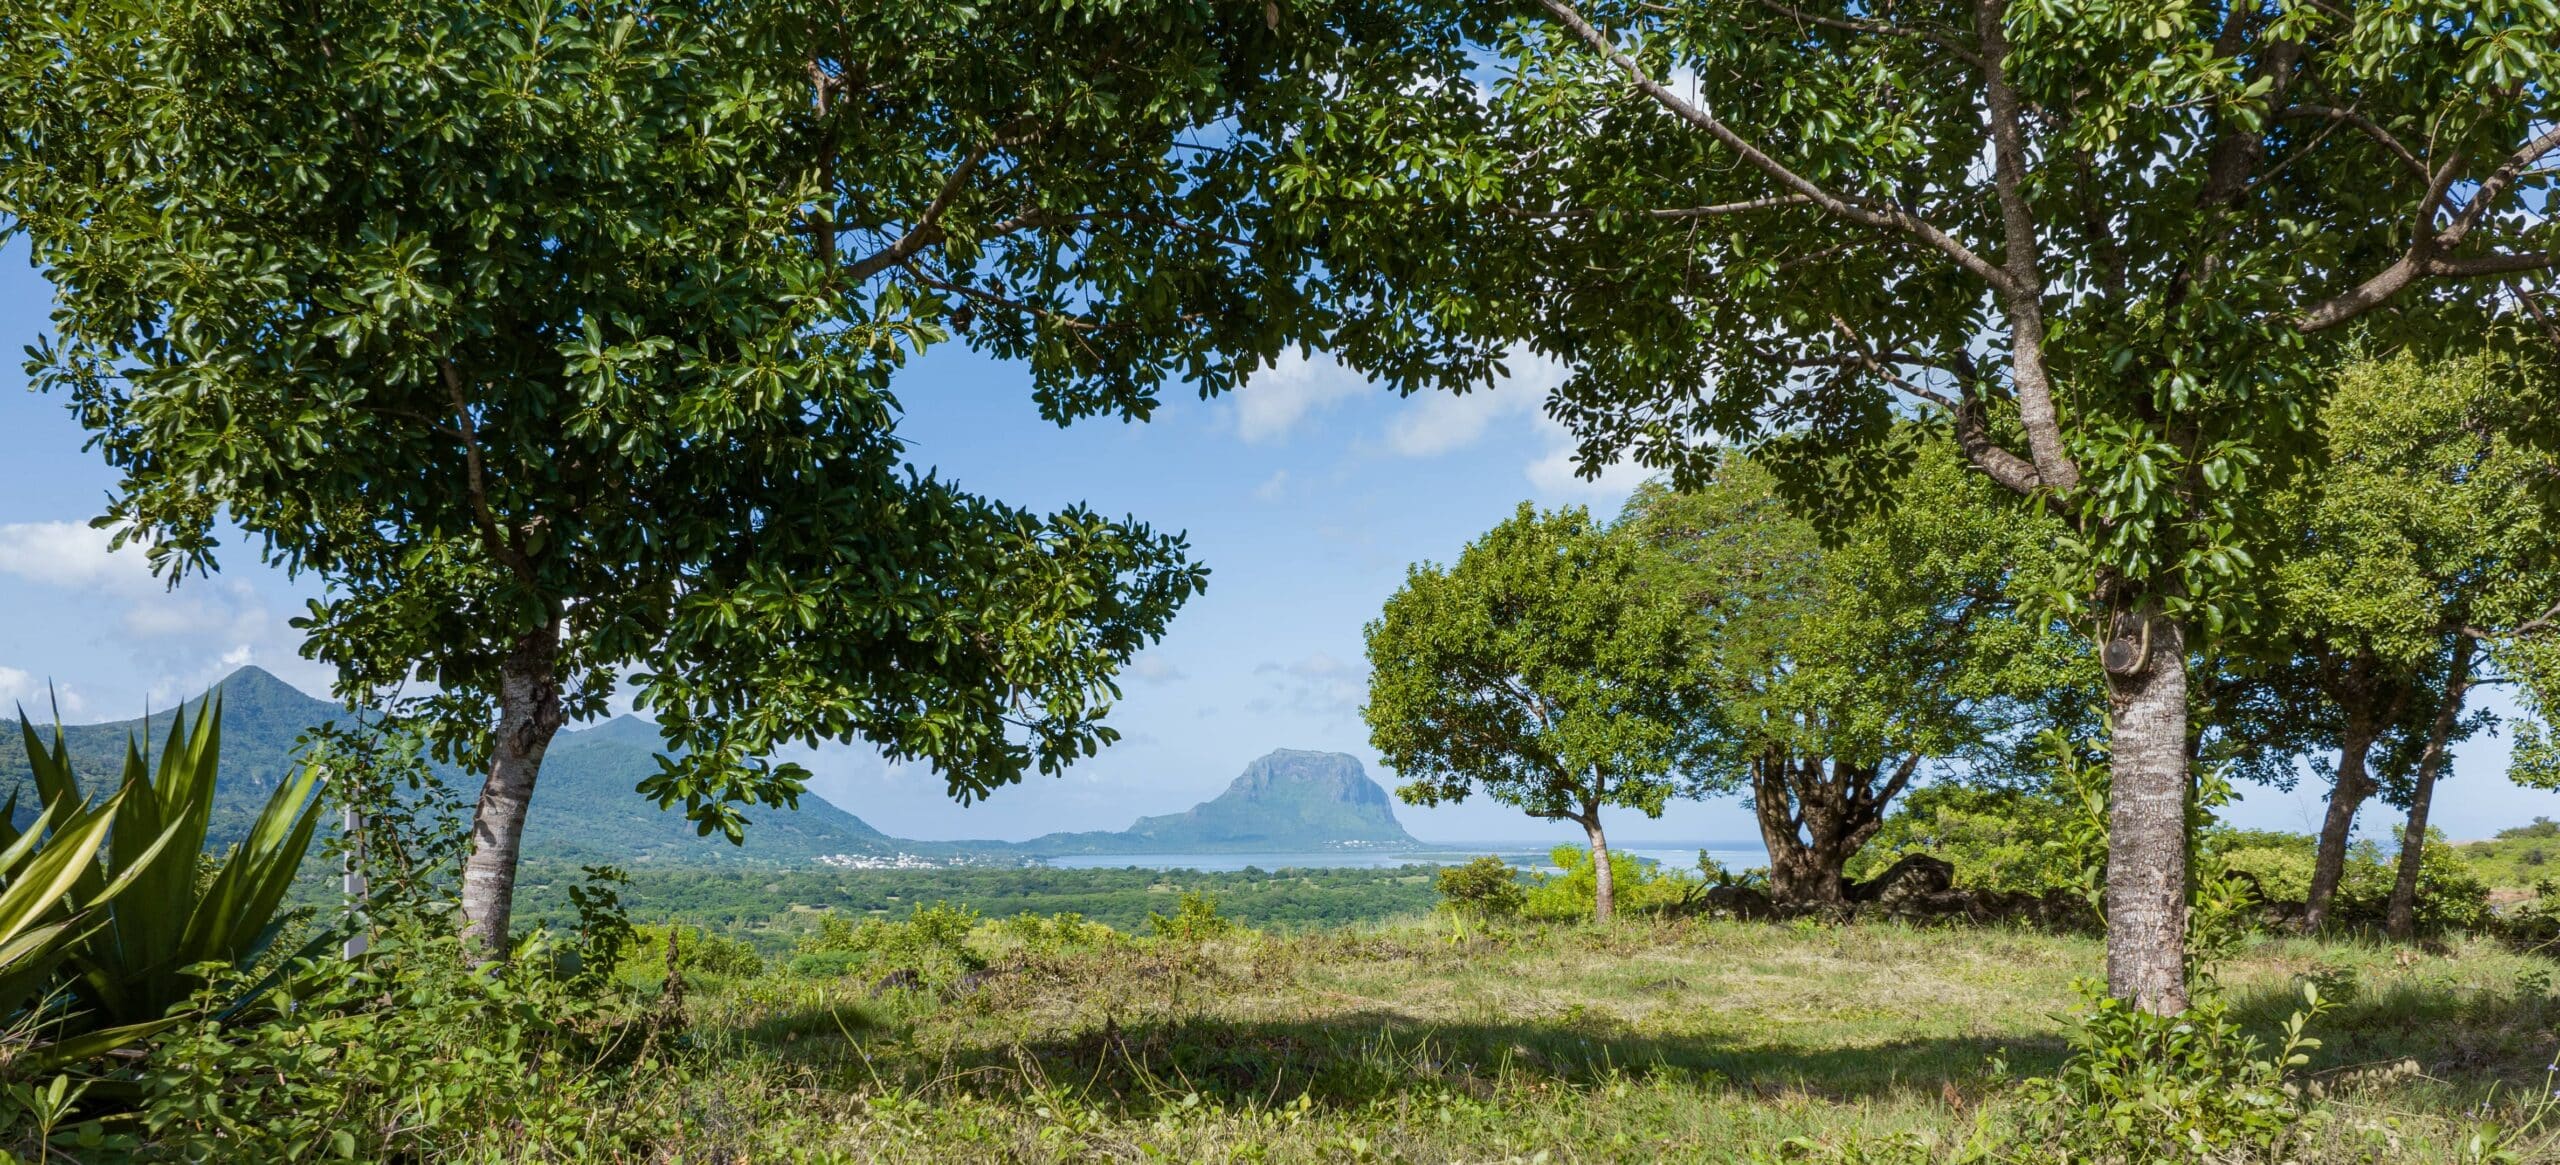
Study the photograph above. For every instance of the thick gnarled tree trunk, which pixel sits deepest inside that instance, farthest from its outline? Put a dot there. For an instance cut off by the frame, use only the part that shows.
(2146, 662)
(529, 716)
(2402, 920)
(1814, 817)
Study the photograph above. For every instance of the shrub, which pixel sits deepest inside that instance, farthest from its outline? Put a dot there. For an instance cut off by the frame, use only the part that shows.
(698, 951)
(932, 941)
(1194, 919)
(406, 1053)
(161, 909)
(1487, 887)
(2451, 895)
(1641, 886)
(1055, 934)
(2004, 840)
(2141, 1088)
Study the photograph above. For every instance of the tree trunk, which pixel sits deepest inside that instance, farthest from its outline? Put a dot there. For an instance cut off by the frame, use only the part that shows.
(1604, 904)
(2146, 899)
(1813, 822)
(2348, 795)
(1795, 868)
(529, 715)
(2402, 922)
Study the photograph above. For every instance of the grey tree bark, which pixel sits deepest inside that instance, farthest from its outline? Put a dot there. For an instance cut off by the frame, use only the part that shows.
(529, 716)
(1605, 891)
(2402, 920)
(1813, 821)
(2346, 797)
(2146, 899)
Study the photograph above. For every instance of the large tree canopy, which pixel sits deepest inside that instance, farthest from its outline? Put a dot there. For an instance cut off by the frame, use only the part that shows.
(1841, 674)
(2426, 530)
(557, 339)
(2109, 245)
(1545, 669)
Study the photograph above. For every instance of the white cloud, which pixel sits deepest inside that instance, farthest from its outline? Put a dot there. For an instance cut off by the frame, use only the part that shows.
(1317, 685)
(1273, 487)
(1277, 398)
(1151, 668)
(40, 698)
(70, 554)
(1554, 475)
(1434, 423)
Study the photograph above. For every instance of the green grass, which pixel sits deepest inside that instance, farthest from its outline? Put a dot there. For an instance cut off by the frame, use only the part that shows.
(2511, 865)
(1704, 1041)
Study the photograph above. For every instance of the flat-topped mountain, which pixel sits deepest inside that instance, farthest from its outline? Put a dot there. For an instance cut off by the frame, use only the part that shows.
(1289, 800)
(586, 808)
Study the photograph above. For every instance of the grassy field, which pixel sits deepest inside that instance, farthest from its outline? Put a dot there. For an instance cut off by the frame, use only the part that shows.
(1693, 1041)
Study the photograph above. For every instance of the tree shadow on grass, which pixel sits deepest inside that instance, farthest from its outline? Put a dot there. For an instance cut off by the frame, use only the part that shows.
(1355, 1058)
(2467, 1035)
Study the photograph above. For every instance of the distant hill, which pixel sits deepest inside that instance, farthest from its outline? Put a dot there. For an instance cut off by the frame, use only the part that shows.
(261, 718)
(1289, 800)
(584, 808)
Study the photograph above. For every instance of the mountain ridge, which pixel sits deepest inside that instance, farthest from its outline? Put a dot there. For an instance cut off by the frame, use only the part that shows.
(585, 807)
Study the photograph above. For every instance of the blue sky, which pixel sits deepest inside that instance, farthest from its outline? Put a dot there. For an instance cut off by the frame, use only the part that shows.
(1307, 495)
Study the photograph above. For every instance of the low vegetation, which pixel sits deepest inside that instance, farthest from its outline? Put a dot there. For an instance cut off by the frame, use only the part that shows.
(1691, 1039)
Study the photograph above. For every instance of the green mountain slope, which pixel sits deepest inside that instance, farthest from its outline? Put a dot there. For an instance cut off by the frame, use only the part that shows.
(262, 717)
(1289, 800)
(585, 808)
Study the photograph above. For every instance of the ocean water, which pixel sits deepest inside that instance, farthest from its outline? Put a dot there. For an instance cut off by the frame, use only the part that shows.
(1735, 855)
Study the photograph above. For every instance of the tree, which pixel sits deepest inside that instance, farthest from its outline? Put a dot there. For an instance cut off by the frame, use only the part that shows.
(2109, 246)
(1541, 670)
(2425, 530)
(1838, 672)
(557, 340)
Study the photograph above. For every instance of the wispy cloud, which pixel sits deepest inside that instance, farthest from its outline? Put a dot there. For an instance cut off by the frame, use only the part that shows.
(1151, 668)
(70, 554)
(1317, 685)
(19, 689)
(1273, 403)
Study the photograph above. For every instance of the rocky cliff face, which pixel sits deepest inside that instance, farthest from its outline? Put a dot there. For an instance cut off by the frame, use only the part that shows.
(1287, 800)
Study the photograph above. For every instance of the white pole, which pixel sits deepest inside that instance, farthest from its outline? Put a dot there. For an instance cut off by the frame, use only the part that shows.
(353, 824)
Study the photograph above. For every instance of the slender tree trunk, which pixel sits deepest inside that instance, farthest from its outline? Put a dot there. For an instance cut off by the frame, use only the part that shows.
(2147, 814)
(2402, 921)
(2346, 797)
(1604, 905)
(529, 715)
(351, 827)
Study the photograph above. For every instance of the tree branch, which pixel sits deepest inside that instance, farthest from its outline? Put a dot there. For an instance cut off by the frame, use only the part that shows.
(2022, 299)
(928, 226)
(2495, 185)
(1894, 218)
(2369, 127)
(1681, 212)
(475, 480)
(1943, 40)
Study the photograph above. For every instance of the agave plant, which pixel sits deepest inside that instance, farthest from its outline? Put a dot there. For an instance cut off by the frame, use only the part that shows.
(156, 917)
(38, 870)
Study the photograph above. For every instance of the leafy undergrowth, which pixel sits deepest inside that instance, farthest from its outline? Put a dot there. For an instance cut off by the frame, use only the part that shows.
(1694, 1041)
